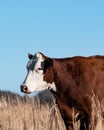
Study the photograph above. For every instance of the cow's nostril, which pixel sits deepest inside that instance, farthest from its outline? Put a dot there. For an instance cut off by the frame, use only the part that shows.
(24, 88)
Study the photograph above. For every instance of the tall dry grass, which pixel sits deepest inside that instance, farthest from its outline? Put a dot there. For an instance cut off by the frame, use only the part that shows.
(30, 114)
(97, 120)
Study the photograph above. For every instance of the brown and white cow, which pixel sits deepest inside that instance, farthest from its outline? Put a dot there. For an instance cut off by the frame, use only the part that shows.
(73, 81)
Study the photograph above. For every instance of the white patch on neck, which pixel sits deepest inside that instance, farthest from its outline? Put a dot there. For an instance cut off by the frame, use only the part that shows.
(52, 86)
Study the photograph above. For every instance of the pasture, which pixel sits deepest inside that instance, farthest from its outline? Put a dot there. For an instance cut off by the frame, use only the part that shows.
(30, 114)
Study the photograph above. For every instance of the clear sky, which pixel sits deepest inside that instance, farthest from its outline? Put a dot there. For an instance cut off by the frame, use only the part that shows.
(58, 28)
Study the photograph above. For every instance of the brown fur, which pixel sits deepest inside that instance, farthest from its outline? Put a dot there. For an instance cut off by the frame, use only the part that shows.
(76, 80)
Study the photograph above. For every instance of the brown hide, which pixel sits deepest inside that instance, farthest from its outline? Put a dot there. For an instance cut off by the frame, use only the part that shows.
(77, 80)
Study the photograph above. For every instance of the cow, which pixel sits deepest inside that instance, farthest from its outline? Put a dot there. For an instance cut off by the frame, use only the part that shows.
(73, 81)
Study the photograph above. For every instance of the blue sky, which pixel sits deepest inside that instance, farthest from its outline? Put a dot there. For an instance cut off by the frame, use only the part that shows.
(58, 28)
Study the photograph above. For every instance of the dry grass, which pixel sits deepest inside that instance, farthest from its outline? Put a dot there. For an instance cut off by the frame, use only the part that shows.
(31, 115)
(97, 117)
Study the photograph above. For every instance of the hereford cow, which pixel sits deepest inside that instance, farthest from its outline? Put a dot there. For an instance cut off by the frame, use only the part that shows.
(73, 81)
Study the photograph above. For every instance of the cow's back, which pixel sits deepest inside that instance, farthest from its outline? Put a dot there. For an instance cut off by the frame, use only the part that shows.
(80, 76)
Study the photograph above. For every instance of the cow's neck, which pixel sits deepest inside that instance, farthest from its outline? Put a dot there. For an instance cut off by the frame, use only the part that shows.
(64, 90)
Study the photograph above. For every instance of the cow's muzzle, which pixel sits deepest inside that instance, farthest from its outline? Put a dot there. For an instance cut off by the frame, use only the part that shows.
(24, 88)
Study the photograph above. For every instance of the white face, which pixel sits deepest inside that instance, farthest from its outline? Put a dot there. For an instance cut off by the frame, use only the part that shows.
(34, 79)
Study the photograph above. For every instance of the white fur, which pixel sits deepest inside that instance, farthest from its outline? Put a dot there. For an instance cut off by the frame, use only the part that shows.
(38, 63)
(34, 79)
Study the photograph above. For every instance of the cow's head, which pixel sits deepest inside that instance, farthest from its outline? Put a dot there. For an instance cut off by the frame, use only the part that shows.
(39, 76)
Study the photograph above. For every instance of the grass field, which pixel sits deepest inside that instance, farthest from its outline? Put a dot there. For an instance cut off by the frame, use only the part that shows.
(32, 115)
(29, 115)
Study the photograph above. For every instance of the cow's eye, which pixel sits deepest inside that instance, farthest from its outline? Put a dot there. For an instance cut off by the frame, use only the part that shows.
(39, 68)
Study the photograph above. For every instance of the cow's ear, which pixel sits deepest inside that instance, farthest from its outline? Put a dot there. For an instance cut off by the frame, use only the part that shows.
(30, 56)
